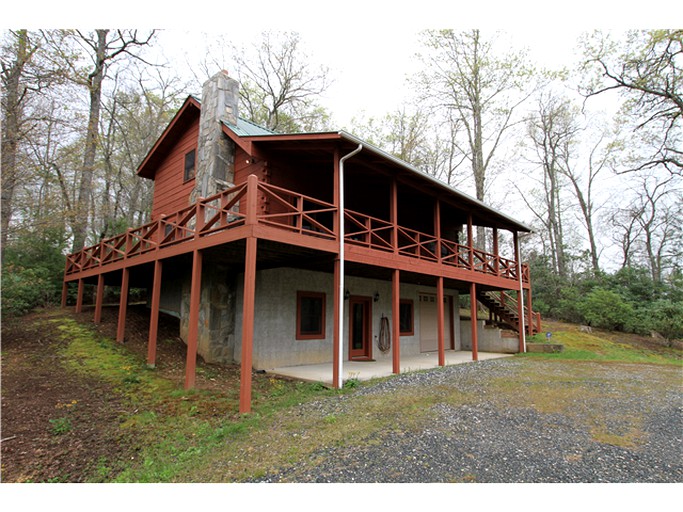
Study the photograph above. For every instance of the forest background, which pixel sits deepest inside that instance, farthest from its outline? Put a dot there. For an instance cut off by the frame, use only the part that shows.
(587, 153)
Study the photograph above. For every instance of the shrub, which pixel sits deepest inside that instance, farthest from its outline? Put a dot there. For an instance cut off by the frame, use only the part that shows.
(24, 289)
(605, 309)
(666, 318)
(32, 270)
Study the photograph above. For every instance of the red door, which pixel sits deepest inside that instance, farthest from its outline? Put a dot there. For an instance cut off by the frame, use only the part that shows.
(360, 328)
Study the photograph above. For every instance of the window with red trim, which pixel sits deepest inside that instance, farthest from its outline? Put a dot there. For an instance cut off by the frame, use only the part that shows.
(405, 316)
(189, 166)
(310, 315)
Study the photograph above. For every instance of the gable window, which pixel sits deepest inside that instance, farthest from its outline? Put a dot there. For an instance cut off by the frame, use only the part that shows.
(405, 315)
(189, 166)
(310, 316)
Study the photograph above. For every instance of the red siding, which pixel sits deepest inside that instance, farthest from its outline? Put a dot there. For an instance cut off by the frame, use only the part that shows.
(170, 192)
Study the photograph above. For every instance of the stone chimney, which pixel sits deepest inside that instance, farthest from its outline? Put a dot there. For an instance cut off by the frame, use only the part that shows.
(215, 152)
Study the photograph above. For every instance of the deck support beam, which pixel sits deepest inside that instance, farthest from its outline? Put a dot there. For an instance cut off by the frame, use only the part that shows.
(193, 327)
(123, 305)
(440, 321)
(154, 315)
(65, 293)
(395, 320)
(99, 297)
(248, 324)
(336, 338)
(79, 297)
(473, 318)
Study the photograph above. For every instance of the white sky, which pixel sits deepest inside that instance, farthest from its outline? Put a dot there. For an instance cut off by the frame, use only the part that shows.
(368, 45)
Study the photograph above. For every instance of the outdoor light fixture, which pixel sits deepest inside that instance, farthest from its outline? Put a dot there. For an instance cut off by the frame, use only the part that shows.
(346, 295)
(376, 297)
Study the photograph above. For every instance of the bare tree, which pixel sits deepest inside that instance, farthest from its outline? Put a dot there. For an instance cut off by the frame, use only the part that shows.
(102, 48)
(583, 179)
(659, 208)
(552, 132)
(482, 91)
(24, 76)
(279, 89)
(647, 71)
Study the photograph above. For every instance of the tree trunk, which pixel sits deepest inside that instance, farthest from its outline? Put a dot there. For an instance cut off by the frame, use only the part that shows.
(88, 169)
(13, 110)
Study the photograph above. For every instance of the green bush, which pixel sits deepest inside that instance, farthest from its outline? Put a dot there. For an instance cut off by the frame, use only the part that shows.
(666, 318)
(606, 309)
(32, 272)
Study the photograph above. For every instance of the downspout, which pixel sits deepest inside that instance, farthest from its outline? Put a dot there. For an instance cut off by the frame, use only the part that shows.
(521, 291)
(341, 262)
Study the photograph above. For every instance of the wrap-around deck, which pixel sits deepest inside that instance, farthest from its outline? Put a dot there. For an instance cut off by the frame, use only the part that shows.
(298, 220)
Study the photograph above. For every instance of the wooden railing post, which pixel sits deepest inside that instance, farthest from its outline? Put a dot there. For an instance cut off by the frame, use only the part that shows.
(160, 230)
(496, 261)
(437, 228)
(252, 200)
(394, 215)
(199, 216)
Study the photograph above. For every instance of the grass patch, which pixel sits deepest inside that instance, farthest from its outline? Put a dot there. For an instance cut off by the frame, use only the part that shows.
(197, 436)
(174, 429)
(582, 346)
(576, 390)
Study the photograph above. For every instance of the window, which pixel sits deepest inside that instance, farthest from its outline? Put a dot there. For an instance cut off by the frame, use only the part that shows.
(310, 316)
(405, 315)
(189, 166)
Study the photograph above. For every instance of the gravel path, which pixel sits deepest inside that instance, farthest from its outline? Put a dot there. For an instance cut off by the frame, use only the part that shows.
(494, 441)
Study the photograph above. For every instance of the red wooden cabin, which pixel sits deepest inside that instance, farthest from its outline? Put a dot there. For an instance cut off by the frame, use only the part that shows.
(244, 247)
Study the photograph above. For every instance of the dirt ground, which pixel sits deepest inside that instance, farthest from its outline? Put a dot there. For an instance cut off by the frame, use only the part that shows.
(58, 426)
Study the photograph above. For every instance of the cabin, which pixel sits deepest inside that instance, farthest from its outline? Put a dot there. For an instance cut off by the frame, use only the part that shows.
(283, 250)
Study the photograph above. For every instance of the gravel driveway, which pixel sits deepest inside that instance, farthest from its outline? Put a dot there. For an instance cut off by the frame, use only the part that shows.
(557, 422)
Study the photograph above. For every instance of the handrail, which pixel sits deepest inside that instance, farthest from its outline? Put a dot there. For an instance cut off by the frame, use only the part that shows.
(291, 211)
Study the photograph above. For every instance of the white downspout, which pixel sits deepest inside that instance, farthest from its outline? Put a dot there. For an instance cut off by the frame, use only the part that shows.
(521, 291)
(340, 355)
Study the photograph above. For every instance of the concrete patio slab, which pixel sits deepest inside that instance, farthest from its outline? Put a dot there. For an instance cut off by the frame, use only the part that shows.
(366, 370)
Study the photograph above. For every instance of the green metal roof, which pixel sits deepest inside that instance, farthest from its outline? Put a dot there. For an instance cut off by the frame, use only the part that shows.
(245, 128)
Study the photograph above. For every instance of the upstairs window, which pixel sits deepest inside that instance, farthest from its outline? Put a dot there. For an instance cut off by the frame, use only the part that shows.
(189, 166)
(310, 316)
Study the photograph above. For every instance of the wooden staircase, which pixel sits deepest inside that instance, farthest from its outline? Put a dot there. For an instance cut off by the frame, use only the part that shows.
(504, 307)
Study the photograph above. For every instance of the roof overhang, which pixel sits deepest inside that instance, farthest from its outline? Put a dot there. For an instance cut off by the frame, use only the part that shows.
(327, 141)
(188, 112)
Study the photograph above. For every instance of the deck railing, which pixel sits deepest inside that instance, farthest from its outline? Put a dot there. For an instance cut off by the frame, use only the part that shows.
(290, 211)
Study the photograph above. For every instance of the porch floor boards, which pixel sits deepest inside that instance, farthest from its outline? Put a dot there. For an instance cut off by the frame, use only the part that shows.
(366, 370)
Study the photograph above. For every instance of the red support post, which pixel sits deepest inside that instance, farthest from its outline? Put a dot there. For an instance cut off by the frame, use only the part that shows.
(336, 320)
(65, 293)
(248, 324)
(395, 320)
(99, 298)
(473, 315)
(79, 297)
(440, 321)
(154, 315)
(193, 327)
(529, 323)
(123, 304)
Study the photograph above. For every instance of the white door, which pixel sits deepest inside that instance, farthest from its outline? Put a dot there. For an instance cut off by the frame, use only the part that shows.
(429, 341)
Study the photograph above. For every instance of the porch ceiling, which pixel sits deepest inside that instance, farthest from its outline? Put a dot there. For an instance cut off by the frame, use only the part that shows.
(320, 148)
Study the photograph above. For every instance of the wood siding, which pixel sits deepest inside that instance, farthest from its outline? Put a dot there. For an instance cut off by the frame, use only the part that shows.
(171, 193)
